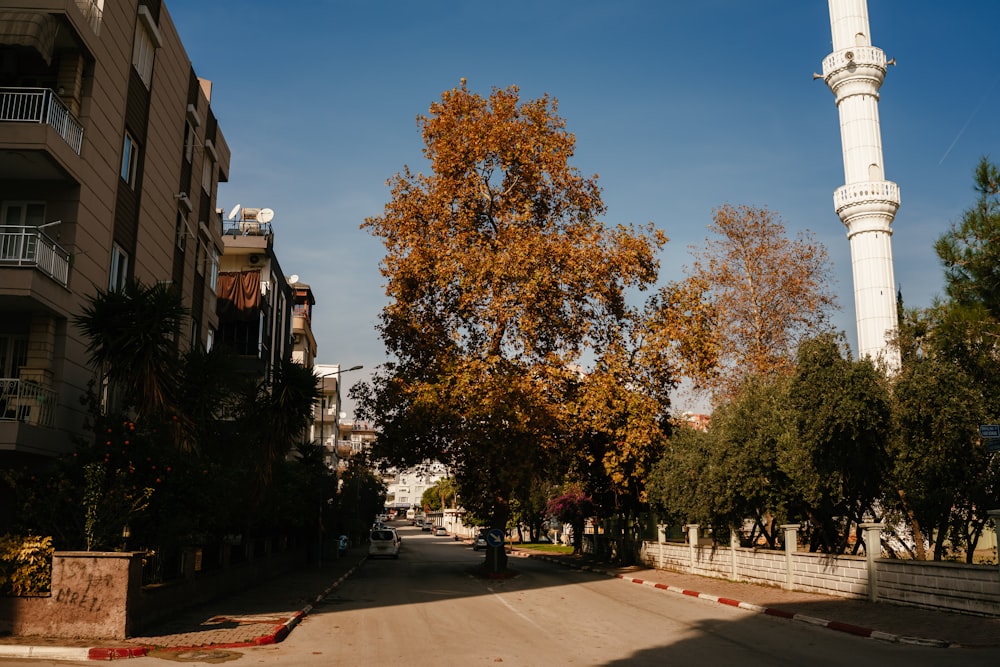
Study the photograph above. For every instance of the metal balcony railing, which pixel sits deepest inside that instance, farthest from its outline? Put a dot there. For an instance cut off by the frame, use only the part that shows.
(26, 401)
(41, 105)
(93, 13)
(28, 246)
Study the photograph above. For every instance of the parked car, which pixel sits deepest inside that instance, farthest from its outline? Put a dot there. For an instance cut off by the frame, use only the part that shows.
(480, 541)
(440, 530)
(427, 526)
(383, 542)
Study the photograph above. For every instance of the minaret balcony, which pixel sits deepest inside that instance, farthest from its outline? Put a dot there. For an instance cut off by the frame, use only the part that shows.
(875, 197)
(862, 67)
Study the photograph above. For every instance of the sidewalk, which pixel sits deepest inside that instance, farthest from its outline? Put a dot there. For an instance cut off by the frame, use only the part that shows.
(256, 616)
(882, 621)
(265, 614)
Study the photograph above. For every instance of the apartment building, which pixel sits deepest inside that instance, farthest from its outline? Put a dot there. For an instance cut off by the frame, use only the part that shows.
(110, 160)
(255, 299)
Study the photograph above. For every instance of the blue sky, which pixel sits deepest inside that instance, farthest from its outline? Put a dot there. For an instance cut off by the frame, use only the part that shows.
(679, 107)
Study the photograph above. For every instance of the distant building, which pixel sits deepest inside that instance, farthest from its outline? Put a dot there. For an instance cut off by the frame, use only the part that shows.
(110, 160)
(406, 488)
(355, 437)
(696, 421)
(304, 346)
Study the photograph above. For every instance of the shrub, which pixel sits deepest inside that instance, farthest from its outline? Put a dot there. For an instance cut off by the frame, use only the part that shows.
(25, 564)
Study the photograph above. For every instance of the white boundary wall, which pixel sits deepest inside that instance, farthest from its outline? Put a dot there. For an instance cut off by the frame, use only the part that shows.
(969, 589)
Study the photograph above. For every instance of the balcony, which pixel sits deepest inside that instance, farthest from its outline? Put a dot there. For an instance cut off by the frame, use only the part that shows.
(92, 13)
(28, 246)
(26, 401)
(43, 106)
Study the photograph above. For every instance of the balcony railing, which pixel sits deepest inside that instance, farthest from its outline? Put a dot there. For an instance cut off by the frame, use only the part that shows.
(28, 246)
(93, 13)
(41, 105)
(26, 401)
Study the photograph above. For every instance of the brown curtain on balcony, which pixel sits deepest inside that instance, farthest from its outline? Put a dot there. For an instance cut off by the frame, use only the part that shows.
(238, 295)
(33, 29)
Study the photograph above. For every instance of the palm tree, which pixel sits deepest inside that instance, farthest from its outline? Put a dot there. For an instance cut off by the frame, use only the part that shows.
(132, 336)
(281, 409)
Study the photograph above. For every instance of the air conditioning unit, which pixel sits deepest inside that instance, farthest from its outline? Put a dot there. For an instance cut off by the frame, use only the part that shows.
(255, 259)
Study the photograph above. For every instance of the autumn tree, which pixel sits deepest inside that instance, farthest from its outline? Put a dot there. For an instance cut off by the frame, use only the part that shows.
(767, 293)
(499, 274)
(622, 416)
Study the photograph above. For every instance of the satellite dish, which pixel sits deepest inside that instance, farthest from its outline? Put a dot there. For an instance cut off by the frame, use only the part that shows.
(265, 215)
(294, 278)
(234, 212)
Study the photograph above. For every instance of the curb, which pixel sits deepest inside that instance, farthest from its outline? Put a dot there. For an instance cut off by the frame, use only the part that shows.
(22, 651)
(838, 626)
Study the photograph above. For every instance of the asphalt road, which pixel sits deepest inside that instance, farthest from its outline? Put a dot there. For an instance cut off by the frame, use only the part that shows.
(431, 608)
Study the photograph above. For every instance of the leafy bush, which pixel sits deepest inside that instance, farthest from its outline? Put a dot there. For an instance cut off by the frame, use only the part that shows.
(25, 564)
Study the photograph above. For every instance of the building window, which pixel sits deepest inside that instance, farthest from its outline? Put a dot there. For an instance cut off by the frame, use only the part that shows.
(181, 231)
(130, 160)
(207, 174)
(119, 269)
(23, 213)
(213, 275)
(195, 334)
(209, 339)
(147, 40)
(13, 355)
(201, 258)
(189, 136)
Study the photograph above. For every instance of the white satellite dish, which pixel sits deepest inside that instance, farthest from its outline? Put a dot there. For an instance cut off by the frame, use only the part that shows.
(294, 278)
(235, 212)
(265, 215)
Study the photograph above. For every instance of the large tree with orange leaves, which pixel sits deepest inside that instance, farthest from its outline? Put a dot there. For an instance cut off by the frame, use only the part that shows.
(500, 275)
(767, 292)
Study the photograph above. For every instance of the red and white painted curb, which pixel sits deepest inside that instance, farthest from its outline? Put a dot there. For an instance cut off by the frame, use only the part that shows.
(839, 626)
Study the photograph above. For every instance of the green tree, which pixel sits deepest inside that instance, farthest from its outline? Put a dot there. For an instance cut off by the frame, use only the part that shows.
(838, 459)
(439, 496)
(970, 250)
(499, 274)
(730, 473)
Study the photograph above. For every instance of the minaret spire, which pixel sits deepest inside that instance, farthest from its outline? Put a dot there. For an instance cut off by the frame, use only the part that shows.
(867, 202)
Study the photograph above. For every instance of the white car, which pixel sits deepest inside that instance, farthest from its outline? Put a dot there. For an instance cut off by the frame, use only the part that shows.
(440, 530)
(383, 542)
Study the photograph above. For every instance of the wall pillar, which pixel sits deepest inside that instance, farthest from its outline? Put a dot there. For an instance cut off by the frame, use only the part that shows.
(791, 546)
(734, 543)
(873, 551)
(995, 515)
(692, 531)
(661, 537)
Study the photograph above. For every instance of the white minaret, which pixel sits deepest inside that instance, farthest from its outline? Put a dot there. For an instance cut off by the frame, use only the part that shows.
(867, 202)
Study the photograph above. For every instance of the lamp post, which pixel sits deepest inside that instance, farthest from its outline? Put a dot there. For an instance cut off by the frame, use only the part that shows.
(322, 423)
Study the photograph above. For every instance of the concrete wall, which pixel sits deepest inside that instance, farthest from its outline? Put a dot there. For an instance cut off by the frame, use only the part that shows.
(971, 589)
(89, 598)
